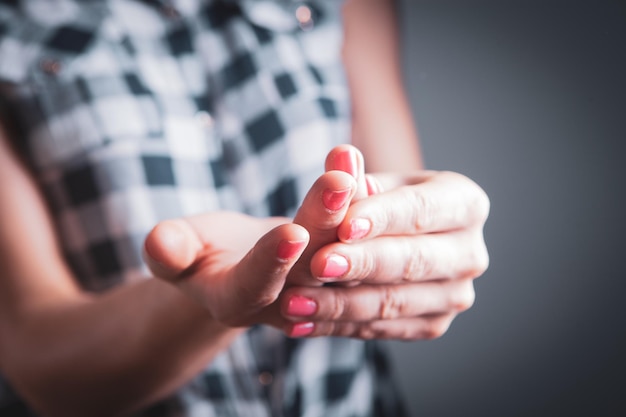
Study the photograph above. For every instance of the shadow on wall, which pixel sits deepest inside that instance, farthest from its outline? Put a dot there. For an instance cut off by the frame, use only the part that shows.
(528, 99)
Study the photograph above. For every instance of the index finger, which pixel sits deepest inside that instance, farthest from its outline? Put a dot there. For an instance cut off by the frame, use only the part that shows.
(321, 212)
(444, 201)
(348, 158)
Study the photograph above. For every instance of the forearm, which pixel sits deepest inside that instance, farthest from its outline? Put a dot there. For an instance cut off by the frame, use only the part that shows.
(71, 354)
(112, 354)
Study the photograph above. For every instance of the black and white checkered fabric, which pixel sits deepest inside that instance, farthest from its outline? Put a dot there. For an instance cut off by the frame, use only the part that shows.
(131, 112)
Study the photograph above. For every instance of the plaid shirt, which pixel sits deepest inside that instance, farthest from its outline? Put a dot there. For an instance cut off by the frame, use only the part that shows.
(130, 112)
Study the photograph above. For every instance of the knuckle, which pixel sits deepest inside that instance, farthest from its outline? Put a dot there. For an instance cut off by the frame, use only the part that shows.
(406, 333)
(393, 303)
(363, 264)
(479, 260)
(479, 204)
(435, 328)
(418, 264)
(367, 331)
(482, 204)
(463, 299)
(339, 306)
(367, 266)
(432, 333)
(424, 211)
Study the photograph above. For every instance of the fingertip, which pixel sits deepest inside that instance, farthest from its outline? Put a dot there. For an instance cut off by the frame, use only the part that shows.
(338, 188)
(171, 247)
(291, 240)
(326, 201)
(344, 158)
(302, 329)
(349, 159)
(338, 179)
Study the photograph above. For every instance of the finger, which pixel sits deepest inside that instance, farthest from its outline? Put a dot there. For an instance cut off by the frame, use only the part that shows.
(236, 294)
(373, 185)
(349, 159)
(394, 259)
(170, 248)
(444, 202)
(322, 210)
(365, 303)
(419, 328)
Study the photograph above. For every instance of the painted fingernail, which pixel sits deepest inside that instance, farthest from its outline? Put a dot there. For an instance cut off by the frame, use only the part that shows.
(346, 161)
(302, 329)
(359, 228)
(373, 186)
(334, 200)
(336, 266)
(301, 306)
(287, 249)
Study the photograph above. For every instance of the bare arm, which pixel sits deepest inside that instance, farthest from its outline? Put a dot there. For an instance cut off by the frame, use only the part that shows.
(383, 128)
(73, 354)
(99, 354)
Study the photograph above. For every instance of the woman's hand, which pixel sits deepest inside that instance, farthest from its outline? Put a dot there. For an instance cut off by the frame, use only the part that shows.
(406, 261)
(398, 255)
(236, 266)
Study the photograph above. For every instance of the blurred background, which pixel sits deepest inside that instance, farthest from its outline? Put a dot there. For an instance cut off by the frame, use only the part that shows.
(528, 98)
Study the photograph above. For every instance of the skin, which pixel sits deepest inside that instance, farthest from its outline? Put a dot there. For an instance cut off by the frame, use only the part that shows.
(407, 278)
(387, 138)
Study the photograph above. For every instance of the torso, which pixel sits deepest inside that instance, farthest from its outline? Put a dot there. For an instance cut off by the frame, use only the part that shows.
(132, 112)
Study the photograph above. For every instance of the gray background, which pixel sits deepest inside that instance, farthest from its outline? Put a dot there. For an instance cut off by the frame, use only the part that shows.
(528, 98)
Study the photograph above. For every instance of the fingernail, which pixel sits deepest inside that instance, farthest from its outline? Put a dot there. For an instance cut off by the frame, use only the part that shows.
(287, 249)
(373, 186)
(336, 266)
(347, 162)
(334, 200)
(301, 306)
(302, 329)
(359, 228)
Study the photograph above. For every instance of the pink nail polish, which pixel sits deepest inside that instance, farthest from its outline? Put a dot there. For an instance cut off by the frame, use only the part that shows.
(336, 266)
(335, 200)
(359, 228)
(301, 306)
(346, 161)
(302, 329)
(373, 187)
(287, 249)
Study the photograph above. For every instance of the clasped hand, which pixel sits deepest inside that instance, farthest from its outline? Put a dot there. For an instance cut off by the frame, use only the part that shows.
(366, 256)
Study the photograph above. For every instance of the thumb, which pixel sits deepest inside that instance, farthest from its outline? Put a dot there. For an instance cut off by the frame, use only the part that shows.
(257, 280)
(170, 248)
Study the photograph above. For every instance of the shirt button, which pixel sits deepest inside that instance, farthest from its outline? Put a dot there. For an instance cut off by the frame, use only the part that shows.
(304, 16)
(204, 119)
(266, 378)
(50, 66)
